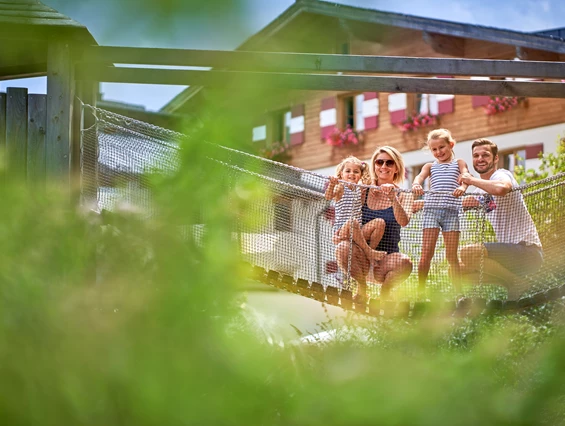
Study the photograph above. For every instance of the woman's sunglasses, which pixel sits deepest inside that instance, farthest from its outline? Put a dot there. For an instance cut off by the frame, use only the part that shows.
(379, 162)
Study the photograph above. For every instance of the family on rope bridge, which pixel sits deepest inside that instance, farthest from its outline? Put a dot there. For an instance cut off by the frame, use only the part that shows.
(371, 219)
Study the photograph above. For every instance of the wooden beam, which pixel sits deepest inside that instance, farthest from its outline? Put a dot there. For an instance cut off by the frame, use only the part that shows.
(60, 93)
(445, 45)
(303, 62)
(22, 71)
(257, 80)
(536, 55)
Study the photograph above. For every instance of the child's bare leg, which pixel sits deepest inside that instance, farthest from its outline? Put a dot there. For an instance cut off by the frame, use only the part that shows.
(359, 266)
(451, 240)
(429, 240)
(373, 232)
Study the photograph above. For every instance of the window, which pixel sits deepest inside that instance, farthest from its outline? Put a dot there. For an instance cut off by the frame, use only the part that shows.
(510, 159)
(281, 126)
(348, 105)
(352, 112)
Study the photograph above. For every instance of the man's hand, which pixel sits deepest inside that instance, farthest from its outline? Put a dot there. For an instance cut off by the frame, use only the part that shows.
(465, 178)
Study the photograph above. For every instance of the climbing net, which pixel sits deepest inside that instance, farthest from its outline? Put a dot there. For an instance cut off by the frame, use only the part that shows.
(289, 243)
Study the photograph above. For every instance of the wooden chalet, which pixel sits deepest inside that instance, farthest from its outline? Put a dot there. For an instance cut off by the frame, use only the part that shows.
(306, 119)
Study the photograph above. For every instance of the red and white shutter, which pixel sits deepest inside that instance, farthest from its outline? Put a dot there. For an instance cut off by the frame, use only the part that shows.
(445, 104)
(533, 151)
(297, 125)
(328, 116)
(479, 101)
(367, 111)
(397, 107)
(438, 104)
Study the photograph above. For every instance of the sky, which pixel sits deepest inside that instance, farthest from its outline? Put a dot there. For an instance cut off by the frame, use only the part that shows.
(204, 28)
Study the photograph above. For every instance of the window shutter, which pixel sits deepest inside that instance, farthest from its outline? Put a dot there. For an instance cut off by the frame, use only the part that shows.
(370, 110)
(297, 125)
(359, 119)
(532, 151)
(438, 104)
(478, 101)
(445, 104)
(328, 117)
(397, 107)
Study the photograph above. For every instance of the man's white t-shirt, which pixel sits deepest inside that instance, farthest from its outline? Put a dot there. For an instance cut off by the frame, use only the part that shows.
(509, 215)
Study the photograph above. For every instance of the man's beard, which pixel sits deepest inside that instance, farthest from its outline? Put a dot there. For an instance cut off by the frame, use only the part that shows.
(484, 169)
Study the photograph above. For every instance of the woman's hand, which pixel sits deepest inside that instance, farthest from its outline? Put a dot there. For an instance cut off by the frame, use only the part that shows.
(389, 190)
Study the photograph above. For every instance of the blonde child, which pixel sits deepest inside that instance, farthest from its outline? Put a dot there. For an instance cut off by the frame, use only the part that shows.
(441, 210)
(348, 203)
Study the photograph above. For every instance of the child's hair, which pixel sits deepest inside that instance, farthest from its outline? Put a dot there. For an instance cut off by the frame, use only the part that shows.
(365, 177)
(442, 134)
(393, 153)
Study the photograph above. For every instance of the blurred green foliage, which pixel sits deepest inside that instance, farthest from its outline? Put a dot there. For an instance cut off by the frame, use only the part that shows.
(551, 164)
(123, 321)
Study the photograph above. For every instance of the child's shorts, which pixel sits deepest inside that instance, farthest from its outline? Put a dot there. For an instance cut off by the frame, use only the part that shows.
(445, 219)
(521, 259)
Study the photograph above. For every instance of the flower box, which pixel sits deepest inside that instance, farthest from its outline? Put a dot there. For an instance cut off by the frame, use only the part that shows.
(340, 137)
(417, 121)
(498, 104)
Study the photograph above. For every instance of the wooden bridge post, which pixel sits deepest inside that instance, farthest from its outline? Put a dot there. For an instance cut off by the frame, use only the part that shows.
(60, 94)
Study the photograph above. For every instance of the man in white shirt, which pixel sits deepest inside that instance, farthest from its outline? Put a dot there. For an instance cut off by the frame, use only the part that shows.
(518, 250)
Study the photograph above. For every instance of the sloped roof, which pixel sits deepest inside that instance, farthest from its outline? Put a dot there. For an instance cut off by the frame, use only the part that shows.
(437, 26)
(555, 33)
(545, 41)
(25, 28)
(35, 13)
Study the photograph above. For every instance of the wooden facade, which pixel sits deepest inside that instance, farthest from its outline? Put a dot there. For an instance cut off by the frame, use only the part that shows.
(312, 26)
(466, 122)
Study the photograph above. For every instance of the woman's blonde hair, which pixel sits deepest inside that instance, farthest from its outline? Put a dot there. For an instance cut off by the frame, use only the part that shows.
(442, 134)
(365, 177)
(393, 153)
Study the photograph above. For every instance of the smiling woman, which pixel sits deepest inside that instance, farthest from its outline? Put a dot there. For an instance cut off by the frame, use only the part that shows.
(385, 211)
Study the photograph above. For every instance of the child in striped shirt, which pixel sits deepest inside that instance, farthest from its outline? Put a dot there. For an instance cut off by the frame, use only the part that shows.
(442, 204)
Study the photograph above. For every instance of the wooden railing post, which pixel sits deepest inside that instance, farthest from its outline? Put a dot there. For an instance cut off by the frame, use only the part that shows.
(36, 130)
(3, 130)
(16, 132)
(85, 150)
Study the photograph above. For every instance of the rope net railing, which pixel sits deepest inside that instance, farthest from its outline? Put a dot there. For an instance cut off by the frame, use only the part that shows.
(291, 241)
